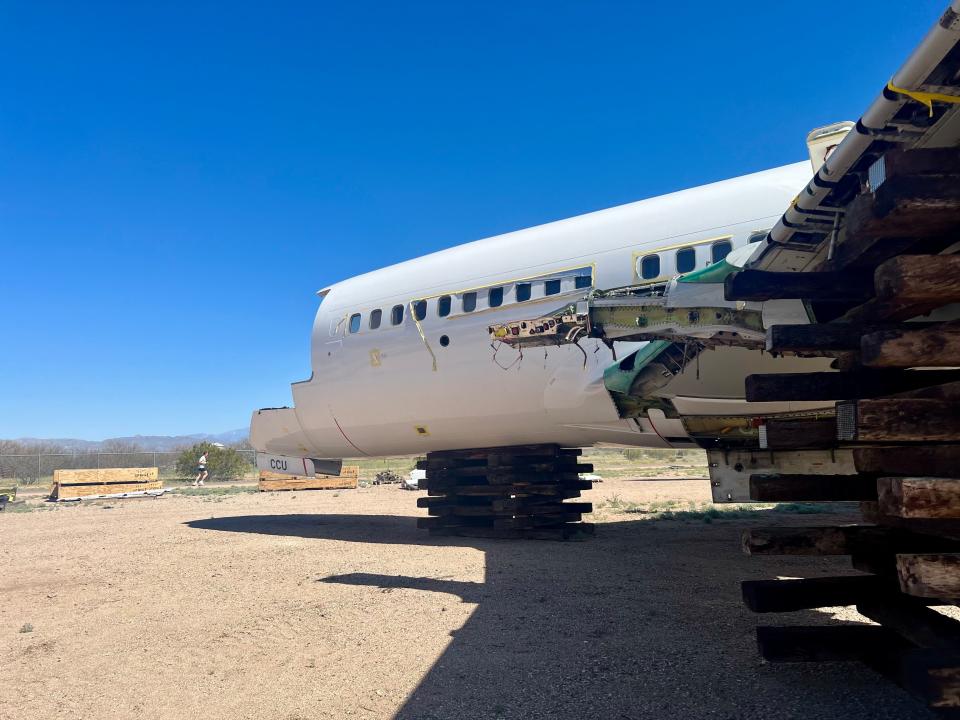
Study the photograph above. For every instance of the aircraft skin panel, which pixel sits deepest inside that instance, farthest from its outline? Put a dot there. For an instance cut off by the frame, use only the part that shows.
(398, 390)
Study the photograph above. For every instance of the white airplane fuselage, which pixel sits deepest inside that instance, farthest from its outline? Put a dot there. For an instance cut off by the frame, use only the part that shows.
(437, 383)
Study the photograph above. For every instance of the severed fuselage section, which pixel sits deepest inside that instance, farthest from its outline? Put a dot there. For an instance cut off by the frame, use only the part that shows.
(678, 321)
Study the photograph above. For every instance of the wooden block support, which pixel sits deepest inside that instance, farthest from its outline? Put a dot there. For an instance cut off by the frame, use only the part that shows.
(783, 387)
(825, 338)
(930, 576)
(928, 460)
(920, 279)
(347, 479)
(764, 596)
(505, 492)
(913, 620)
(898, 420)
(759, 285)
(801, 434)
(867, 540)
(906, 348)
(838, 643)
(811, 488)
(919, 497)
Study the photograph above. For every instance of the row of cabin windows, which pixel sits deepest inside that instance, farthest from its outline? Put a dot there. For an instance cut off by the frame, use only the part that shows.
(524, 292)
(685, 259)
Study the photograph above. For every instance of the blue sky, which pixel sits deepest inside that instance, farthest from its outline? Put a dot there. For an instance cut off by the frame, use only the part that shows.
(178, 179)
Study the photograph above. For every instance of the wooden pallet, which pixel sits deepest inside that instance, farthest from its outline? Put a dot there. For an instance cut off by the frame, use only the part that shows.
(88, 483)
(509, 492)
(349, 478)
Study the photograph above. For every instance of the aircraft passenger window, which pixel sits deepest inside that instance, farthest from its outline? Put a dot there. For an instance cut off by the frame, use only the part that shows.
(720, 250)
(469, 302)
(650, 267)
(396, 315)
(757, 236)
(686, 260)
(583, 281)
(495, 297)
(375, 317)
(420, 309)
(523, 292)
(443, 306)
(355, 323)
(551, 287)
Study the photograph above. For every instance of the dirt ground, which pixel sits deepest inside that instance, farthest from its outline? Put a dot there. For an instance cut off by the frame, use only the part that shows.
(332, 604)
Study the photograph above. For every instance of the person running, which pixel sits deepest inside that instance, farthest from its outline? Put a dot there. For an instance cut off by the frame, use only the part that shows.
(201, 470)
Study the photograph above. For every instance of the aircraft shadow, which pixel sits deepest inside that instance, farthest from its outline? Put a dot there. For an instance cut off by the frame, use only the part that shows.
(643, 621)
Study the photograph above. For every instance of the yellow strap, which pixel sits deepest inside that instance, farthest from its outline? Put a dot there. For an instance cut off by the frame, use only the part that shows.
(423, 337)
(924, 98)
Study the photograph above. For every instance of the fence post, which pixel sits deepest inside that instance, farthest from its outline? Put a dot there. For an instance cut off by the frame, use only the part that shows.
(38, 468)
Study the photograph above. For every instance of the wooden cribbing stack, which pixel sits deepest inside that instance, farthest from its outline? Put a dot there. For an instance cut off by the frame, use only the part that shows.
(80, 484)
(897, 413)
(508, 492)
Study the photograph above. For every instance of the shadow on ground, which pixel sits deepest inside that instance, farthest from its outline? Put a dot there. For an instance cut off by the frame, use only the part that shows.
(643, 621)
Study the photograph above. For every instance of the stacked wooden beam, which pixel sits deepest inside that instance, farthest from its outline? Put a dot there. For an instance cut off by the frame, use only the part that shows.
(347, 479)
(510, 492)
(89, 483)
(896, 344)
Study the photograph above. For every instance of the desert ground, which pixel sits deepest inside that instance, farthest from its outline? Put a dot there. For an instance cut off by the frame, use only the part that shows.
(331, 604)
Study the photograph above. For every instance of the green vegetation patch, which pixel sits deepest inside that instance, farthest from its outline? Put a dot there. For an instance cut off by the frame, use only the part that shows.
(708, 512)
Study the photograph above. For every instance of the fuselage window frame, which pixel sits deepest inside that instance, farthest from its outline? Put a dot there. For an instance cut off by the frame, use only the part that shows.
(524, 292)
(648, 263)
(552, 287)
(681, 255)
(396, 315)
(376, 317)
(581, 282)
(495, 296)
(419, 309)
(720, 244)
(444, 305)
(354, 323)
(469, 301)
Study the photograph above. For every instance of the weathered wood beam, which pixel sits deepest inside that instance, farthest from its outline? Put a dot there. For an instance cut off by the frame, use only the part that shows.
(904, 347)
(763, 596)
(919, 279)
(931, 460)
(913, 620)
(758, 285)
(853, 385)
(898, 420)
(811, 488)
(841, 540)
(930, 576)
(919, 497)
(837, 643)
(800, 434)
(828, 337)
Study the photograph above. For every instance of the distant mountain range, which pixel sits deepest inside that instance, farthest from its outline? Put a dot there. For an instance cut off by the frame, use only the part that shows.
(153, 443)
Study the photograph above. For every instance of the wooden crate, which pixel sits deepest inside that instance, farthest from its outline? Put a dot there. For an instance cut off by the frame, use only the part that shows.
(348, 478)
(75, 484)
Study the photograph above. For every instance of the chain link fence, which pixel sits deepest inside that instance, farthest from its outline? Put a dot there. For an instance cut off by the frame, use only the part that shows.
(33, 469)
